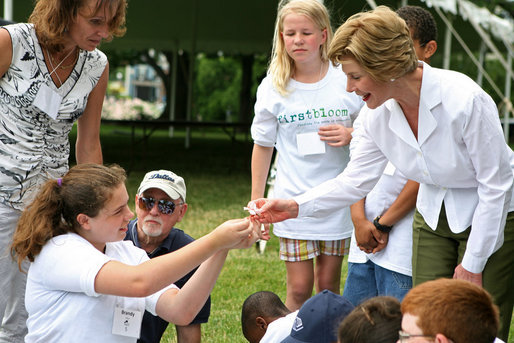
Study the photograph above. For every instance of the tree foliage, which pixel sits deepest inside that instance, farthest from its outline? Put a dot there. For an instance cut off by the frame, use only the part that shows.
(218, 85)
(216, 88)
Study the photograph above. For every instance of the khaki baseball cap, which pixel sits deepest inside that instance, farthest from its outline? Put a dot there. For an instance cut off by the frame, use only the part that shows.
(165, 180)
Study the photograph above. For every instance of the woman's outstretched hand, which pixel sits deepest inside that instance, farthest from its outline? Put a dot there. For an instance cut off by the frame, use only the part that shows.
(268, 211)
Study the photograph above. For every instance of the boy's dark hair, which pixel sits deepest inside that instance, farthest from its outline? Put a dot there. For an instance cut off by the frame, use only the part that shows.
(262, 304)
(420, 22)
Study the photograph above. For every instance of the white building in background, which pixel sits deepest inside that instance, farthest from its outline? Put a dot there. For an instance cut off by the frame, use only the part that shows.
(141, 81)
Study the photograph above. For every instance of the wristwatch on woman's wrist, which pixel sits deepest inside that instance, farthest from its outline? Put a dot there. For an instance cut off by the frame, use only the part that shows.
(380, 227)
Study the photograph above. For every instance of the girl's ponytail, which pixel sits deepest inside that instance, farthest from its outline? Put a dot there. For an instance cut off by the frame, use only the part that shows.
(39, 222)
(84, 189)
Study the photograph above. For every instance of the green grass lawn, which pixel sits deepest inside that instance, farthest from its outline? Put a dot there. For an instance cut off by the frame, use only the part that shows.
(217, 175)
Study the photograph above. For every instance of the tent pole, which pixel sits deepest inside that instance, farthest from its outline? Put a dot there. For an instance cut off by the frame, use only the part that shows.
(8, 10)
(173, 89)
(129, 71)
(507, 102)
(447, 43)
(481, 59)
(187, 142)
(372, 3)
(192, 59)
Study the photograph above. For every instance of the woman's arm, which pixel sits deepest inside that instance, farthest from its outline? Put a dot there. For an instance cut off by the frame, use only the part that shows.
(147, 278)
(88, 148)
(6, 49)
(485, 144)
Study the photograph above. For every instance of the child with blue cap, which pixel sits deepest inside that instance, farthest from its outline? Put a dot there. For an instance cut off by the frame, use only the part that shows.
(318, 319)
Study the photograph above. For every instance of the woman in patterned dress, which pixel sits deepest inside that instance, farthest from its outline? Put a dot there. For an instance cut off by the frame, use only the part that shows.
(51, 75)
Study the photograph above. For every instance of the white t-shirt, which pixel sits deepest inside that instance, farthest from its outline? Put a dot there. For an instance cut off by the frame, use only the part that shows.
(60, 297)
(397, 254)
(277, 122)
(459, 157)
(279, 329)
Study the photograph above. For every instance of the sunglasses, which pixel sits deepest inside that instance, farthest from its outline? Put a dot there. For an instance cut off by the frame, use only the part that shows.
(164, 206)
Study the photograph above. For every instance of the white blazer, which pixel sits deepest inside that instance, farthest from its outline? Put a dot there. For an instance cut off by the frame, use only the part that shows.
(460, 157)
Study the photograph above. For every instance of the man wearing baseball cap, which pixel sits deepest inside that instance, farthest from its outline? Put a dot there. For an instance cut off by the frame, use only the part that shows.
(160, 204)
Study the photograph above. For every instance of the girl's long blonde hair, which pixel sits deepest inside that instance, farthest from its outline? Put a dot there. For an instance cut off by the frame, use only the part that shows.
(84, 189)
(281, 67)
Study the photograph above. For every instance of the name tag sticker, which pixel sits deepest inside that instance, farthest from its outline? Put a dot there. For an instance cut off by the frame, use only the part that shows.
(127, 322)
(48, 101)
(389, 169)
(309, 143)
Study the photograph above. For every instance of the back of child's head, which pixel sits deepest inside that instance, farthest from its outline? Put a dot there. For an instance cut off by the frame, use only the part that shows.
(261, 304)
(458, 309)
(281, 66)
(318, 318)
(376, 320)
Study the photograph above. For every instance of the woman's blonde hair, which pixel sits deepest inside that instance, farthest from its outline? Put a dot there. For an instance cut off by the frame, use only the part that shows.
(281, 66)
(51, 19)
(380, 42)
(85, 188)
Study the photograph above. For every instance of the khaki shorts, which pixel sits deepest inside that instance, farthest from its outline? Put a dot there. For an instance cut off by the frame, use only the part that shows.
(296, 250)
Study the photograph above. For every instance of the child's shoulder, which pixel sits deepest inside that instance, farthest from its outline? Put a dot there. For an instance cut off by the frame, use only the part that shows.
(266, 87)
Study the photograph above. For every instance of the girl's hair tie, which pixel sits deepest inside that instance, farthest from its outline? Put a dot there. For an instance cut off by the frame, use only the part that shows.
(59, 182)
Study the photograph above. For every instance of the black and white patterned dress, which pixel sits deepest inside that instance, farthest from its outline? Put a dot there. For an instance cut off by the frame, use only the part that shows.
(33, 146)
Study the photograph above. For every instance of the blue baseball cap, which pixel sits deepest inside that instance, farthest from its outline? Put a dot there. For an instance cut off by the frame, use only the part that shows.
(318, 319)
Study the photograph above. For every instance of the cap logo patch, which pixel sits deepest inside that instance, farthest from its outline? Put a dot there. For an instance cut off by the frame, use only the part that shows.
(298, 325)
(162, 176)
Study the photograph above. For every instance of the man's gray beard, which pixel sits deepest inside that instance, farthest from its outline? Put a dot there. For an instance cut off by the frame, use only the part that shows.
(153, 233)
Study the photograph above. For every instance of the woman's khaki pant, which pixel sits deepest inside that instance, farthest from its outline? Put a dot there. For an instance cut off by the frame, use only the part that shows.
(436, 254)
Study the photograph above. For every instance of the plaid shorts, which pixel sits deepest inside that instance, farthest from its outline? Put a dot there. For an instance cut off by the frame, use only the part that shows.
(296, 250)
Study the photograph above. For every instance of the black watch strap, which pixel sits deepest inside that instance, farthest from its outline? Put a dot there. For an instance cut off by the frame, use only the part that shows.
(380, 227)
